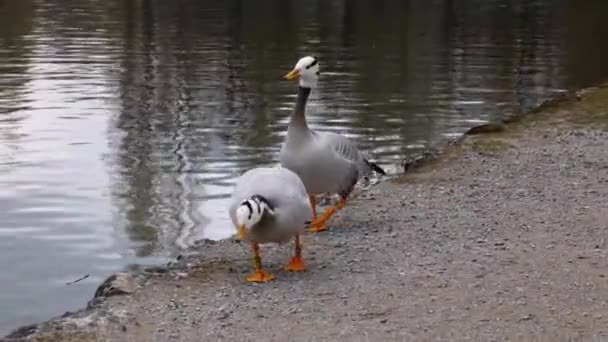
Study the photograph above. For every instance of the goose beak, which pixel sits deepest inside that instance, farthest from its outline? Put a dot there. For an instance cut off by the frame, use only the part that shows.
(241, 233)
(293, 74)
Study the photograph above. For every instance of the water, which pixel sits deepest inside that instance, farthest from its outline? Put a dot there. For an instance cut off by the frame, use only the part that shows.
(124, 123)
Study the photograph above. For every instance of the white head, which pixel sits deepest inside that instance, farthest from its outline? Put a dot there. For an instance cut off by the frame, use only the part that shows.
(250, 212)
(307, 69)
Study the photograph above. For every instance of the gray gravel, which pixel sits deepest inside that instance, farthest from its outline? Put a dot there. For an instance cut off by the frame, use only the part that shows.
(505, 238)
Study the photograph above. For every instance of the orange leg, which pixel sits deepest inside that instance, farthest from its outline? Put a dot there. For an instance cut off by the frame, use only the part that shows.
(296, 264)
(318, 225)
(259, 276)
(313, 205)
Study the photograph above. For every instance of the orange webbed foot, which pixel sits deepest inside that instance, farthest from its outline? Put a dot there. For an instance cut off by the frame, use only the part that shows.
(296, 264)
(317, 226)
(260, 276)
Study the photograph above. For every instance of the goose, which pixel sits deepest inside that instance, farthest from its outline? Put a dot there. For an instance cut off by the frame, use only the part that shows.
(326, 162)
(270, 205)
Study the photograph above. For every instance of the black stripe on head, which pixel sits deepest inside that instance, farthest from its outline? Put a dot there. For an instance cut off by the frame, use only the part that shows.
(314, 62)
(261, 199)
(257, 204)
(249, 207)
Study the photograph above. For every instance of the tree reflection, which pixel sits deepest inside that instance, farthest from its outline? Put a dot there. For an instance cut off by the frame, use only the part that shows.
(15, 48)
(16, 19)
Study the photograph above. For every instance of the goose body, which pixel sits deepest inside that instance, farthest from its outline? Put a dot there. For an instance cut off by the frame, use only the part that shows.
(284, 192)
(270, 205)
(326, 162)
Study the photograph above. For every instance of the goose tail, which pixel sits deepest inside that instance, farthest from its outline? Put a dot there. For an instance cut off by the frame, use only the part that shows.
(376, 168)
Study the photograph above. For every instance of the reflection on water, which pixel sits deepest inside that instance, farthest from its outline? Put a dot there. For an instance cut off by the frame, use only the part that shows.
(124, 123)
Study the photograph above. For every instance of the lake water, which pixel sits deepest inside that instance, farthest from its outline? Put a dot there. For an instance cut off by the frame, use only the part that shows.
(124, 123)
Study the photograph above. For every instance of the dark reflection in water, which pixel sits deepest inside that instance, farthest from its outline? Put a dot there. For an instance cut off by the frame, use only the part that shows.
(124, 123)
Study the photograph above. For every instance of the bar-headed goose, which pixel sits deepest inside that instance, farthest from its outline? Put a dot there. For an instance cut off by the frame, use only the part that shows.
(270, 205)
(326, 162)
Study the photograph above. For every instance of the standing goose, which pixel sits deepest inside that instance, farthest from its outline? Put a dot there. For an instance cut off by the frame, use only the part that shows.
(326, 162)
(270, 205)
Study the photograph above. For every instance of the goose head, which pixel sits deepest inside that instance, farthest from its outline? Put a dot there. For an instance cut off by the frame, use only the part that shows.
(249, 213)
(307, 70)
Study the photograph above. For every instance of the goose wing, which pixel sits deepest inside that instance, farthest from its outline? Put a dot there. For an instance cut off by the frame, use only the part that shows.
(342, 148)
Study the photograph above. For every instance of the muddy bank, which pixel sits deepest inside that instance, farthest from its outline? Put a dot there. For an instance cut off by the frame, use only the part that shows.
(503, 235)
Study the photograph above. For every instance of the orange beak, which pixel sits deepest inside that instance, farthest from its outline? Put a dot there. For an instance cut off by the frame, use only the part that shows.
(293, 74)
(241, 232)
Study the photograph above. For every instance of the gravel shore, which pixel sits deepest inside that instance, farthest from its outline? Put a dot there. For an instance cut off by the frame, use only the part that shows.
(502, 237)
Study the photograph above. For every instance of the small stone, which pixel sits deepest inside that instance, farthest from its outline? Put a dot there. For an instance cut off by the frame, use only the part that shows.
(526, 318)
(117, 284)
(223, 316)
(156, 269)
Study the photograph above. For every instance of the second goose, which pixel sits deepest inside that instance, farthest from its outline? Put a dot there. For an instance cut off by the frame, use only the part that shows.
(326, 162)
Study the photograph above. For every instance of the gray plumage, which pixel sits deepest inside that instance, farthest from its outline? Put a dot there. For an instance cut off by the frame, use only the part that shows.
(284, 192)
(325, 161)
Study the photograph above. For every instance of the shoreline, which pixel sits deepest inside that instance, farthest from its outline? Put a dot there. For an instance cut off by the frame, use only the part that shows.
(118, 306)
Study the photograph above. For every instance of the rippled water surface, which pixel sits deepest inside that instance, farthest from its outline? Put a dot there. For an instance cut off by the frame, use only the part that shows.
(124, 123)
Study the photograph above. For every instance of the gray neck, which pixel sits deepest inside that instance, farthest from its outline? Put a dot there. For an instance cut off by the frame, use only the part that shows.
(298, 118)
